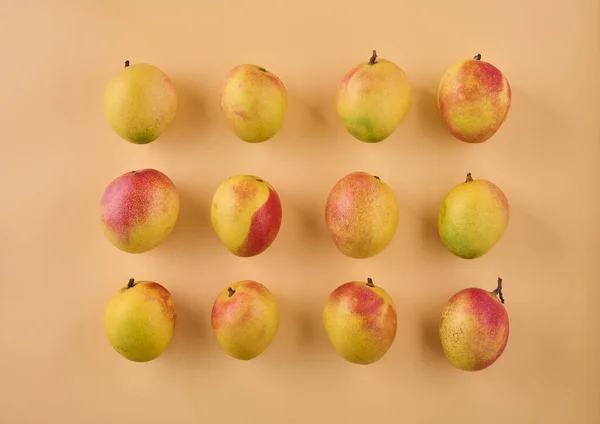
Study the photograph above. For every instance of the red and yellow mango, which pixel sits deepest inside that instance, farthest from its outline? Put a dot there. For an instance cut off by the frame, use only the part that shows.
(246, 214)
(245, 319)
(360, 321)
(138, 210)
(361, 215)
(474, 99)
(474, 328)
(253, 103)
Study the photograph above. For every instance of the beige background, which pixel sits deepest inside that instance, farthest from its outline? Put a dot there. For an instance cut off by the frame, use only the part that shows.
(58, 153)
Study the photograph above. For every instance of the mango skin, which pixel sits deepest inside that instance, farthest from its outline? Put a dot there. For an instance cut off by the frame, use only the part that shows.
(473, 218)
(253, 103)
(139, 320)
(246, 215)
(360, 322)
(474, 98)
(139, 210)
(474, 329)
(361, 215)
(140, 102)
(373, 100)
(245, 319)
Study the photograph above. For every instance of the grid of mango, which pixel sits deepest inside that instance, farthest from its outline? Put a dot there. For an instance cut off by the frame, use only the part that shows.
(140, 209)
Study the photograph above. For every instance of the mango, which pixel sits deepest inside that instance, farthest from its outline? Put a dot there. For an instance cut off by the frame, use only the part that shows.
(253, 103)
(139, 320)
(474, 328)
(246, 214)
(360, 321)
(473, 218)
(373, 99)
(361, 215)
(474, 98)
(139, 210)
(140, 102)
(245, 319)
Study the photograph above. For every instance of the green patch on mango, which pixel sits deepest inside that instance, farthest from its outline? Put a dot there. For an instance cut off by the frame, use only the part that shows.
(364, 130)
(142, 137)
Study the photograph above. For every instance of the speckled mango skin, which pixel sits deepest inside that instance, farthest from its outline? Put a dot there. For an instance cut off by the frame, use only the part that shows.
(473, 218)
(373, 100)
(474, 98)
(245, 319)
(139, 210)
(361, 215)
(246, 214)
(253, 103)
(474, 329)
(140, 102)
(360, 322)
(140, 320)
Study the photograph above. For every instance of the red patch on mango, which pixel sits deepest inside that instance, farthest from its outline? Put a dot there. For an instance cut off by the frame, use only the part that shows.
(227, 311)
(364, 302)
(265, 226)
(488, 81)
(165, 299)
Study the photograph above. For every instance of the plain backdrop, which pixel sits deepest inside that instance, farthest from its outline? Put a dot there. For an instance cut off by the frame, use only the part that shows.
(57, 271)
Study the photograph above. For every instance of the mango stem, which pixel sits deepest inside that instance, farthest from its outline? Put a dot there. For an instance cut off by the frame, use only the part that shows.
(370, 282)
(126, 63)
(131, 283)
(230, 291)
(477, 57)
(498, 290)
(373, 59)
(469, 178)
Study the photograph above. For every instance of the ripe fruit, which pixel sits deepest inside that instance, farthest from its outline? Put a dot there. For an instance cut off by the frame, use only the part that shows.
(373, 99)
(473, 218)
(360, 321)
(139, 320)
(140, 102)
(474, 98)
(245, 319)
(474, 328)
(253, 103)
(361, 215)
(246, 215)
(139, 210)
